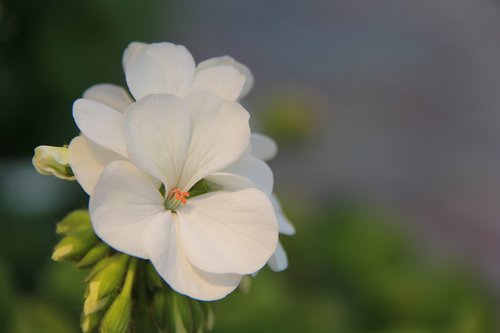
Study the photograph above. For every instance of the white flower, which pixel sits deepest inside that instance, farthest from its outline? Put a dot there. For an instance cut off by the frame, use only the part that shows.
(202, 245)
(263, 147)
(149, 69)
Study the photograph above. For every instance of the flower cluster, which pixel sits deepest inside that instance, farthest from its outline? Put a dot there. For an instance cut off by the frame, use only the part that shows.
(173, 172)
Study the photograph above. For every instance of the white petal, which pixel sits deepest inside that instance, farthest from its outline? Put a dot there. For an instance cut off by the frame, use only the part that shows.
(279, 260)
(263, 146)
(225, 81)
(101, 124)
(124, 202)
(88, 160)
(220, 135)
(229, 232)
(286, 227)
(228, 61)
(255, 170)
(161, 68)
(166, 252)
(130, 51)
(109, 94)
(158, 131)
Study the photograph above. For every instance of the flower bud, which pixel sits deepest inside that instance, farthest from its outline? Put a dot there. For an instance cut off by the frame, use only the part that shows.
(153, 279)
(198, 315)
(117, 318)
(160, 306)
(76, 221)
(110, 278)
(74, 246)
(90, 322)
(92, 302)
(179, 314)
(99, 251)
(50, 160)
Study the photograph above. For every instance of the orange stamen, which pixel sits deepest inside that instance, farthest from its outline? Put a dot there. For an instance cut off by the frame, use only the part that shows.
(179, 195)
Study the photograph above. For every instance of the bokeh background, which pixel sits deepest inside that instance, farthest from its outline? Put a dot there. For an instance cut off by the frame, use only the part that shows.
(388, 119)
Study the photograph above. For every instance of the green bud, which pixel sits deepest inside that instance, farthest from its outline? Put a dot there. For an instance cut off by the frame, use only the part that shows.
(110, 278)
(198, 315)
(50, 160)
(93, 303)
(99, 266)
(74, 246)
(143, 320)
(99, 251)
(77, 221)
(180, 320)
(117, 318)
(153, 279)
(89, 323)
(160, 307)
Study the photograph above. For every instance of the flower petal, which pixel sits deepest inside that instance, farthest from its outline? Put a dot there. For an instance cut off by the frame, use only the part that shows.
(220, 135)
(263, 146)
(124, 202)
(279, 260)
(158, 130)
(87, 161)
(129, 52)
(165, 250)
(101, 124)
(161, 68)
(228, 61)
(286, 227)
(109, 94)
(225, 81)
(255, 170)
(229, 232)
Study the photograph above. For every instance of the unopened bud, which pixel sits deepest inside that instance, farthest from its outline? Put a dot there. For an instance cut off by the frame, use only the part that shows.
(76, 221)
(92, 302)
(98, 252)
(110, 278)
(117, 318)
(198, 315)
(179, 313)
(90, 322)
(49, 160)
(74, 246)
(160, 306)
(153, 279)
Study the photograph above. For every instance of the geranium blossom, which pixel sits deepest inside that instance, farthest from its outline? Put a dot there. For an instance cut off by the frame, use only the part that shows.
(203, 246)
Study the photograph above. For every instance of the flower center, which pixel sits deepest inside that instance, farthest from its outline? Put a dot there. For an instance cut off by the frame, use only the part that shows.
(175, 198)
